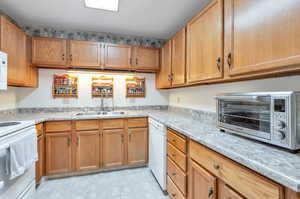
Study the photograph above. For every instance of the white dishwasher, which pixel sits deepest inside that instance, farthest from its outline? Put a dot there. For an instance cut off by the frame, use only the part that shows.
(158, 152)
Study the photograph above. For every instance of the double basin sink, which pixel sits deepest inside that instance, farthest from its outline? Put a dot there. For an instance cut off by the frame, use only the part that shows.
(108, 113)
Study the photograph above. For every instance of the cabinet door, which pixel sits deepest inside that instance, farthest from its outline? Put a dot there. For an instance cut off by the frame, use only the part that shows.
(201, 183)
(49, 52)
(58, 153)
(137, 145)
(32, 71)
(146, 59)
(164, 74)
(225, 192)
(40, 163)
(113, 148)
(178, 58)
(87, 150)
(13, 42)
(205, 44)
(117, 57)
(85, 54)
(262, 36)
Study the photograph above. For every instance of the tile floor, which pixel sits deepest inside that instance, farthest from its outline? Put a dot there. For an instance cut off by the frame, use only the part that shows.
(126, 184)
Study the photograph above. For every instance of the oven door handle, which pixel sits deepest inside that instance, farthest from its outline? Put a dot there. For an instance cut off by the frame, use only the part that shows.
(239, 98)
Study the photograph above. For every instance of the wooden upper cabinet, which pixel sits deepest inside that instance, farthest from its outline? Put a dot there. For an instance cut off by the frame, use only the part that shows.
(137, 146)
(85, 54)
(145, 59)
(117, 57)
(32, 79)
(178, 58)
(205, 44)
(201, 183)
(87, 150)
(164, 74)
(13, 42)
(113, 148)
(262, 36)
(50, 52)
(58, 153)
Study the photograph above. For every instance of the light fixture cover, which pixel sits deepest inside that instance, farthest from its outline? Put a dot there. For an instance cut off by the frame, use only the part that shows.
(111, 5)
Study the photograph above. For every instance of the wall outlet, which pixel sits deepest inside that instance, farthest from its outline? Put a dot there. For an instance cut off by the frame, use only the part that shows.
(178, 99)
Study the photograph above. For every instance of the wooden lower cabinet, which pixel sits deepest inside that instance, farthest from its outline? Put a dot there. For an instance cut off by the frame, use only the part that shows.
(40, 163)
(87, 146)
(173, 191)
(113, 148)
(137, 145)
(202, 184)
(225, 192)
(58, 153)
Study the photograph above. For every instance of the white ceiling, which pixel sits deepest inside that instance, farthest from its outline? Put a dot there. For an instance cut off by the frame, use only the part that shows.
(149, 18)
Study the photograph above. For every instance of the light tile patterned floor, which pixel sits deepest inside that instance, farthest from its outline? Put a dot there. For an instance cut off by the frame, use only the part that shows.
(125, 184)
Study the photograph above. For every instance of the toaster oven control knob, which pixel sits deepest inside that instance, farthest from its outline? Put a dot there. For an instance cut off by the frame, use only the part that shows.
(280, 124)
(279, 135)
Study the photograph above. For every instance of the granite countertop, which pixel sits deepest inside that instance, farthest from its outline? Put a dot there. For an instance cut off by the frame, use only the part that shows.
(281, 166)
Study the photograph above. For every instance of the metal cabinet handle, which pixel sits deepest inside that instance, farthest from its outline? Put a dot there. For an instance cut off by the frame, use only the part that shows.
(174, 174)
(229, 60)
(210, 192)
(78, 140)
(216, 166)
(71, 57)
(174, 140)
(69, 141)
(173, 195)
(173, 155)
(169, 77)
(130, 61)
(136, 61)
(219, 62)
(63, 56)
(122, 137)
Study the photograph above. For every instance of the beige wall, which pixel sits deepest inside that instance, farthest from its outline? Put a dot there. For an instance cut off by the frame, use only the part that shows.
(202, 97)
(8, 99)
(42, 96)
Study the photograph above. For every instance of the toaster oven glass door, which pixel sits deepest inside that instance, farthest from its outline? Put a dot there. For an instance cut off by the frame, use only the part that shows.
(247, 116)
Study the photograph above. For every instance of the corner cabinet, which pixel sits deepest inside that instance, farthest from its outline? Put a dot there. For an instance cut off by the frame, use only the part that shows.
(261, 37)
(163, 78)
(179, 58)
(205, 44)
(49, 52)
(173, 62)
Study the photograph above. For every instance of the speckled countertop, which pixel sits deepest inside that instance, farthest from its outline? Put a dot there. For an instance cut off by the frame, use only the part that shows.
(281, 166)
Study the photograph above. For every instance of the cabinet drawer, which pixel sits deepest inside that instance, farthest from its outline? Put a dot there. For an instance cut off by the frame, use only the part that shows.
(58, 126)
(82, 125)
(113, 124)
(173, 191)
(137, 122)
(178, 141)
(178, 176)
(177, 156)
(39, 129)
(246, 181)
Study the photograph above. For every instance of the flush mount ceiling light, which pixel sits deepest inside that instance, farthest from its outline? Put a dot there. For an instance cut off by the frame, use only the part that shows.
(111, 5)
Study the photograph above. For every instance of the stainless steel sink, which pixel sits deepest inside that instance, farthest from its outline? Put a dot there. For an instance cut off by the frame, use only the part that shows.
(5, 124)
(100, 113)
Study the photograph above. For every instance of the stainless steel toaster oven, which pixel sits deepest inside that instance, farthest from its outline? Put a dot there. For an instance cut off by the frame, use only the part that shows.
(271, 117)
